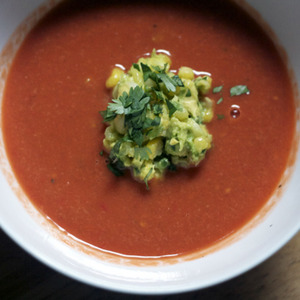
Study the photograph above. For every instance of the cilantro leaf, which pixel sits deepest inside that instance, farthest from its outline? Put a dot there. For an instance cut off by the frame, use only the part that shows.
(157, 109)
(136, 94)
(142, 153)
(153, 132)
(136, 66)
(239, 90)
(168, 82)
(116, 107)
(146, 178)
(220, 100)
(115, 170)
(217, 89)
(151, 122)
(178, 81)
(115, 165)
(146, 71)
(171, 107)
(159, 94)
(107, 115)
(156, 121)
(136, 135)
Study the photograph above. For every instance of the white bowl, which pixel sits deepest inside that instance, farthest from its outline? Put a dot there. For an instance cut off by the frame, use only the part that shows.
(278, 222)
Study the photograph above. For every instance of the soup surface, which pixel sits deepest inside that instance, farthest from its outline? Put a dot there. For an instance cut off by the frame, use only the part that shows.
(53, 130)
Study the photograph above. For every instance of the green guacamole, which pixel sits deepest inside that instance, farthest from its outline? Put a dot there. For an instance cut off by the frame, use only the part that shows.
(156, 118)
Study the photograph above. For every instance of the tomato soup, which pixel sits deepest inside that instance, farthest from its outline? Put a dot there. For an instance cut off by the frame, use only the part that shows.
(53, 131)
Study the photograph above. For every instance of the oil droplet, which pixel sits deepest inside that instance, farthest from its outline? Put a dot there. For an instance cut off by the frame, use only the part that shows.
(235, 111)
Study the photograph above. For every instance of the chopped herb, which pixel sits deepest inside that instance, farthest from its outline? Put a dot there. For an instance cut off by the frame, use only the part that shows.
(136, 66)
(159, 75)
(142, 153)
(239, 90)
(136, 135)
(117, 106)
(157, 109)
(220, 117)
(115, 165)
(189, 93)
(146, 71)
(153, 132)
(171, 107)
(178, 81)
(146, 179)
(168, 82)
(107, 115)
(151, 122)
(115, 170)
(220, 100)
(101, 153)
(134, 106)
(159, 94)
(217, 89)
(155, 121)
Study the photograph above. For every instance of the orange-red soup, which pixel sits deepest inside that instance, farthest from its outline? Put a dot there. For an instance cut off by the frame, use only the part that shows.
(53, 131)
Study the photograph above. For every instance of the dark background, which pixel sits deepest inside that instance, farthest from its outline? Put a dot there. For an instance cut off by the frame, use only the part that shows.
(23, 277)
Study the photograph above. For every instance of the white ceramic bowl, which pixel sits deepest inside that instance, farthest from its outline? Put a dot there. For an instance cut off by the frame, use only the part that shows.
(276, 224)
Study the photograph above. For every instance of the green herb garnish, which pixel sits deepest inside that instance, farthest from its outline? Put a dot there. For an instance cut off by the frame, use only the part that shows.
(147, 177)
(220, 100)
(217, 89)
(142, 153)
(239, 90)
(136, 66)
(160, 75)
(171, 107)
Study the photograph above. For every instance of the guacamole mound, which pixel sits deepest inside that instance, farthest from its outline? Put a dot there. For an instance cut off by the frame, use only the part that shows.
(156, 118)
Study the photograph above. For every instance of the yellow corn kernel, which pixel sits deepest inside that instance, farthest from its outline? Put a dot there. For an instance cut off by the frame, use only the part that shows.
(111, 134)
(107, 145)
(114, 78)
(181, 115)
(201, 144)
(127, 162)
(155, 146)
(207, 115)
(119, 124)
(203, 84)
(186, 73)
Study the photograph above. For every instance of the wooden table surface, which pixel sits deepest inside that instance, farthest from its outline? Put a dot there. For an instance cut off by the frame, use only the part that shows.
(23, 277)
